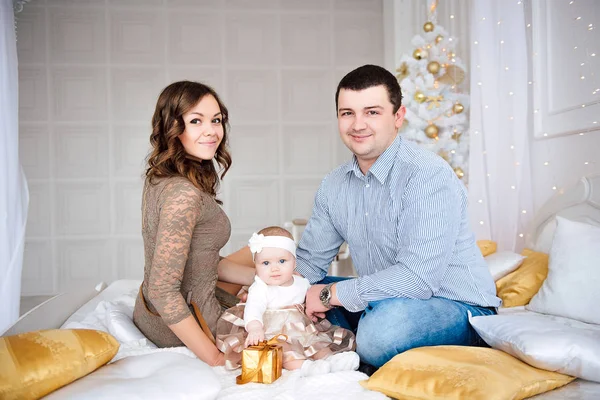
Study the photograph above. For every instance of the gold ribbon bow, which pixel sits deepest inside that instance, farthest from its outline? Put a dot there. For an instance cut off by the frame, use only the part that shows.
(264, 348)
(434, 101)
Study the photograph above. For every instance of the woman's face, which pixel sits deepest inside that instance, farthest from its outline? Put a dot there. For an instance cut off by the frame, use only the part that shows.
(203, 129)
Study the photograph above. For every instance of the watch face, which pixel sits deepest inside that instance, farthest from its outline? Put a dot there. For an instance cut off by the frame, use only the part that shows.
(325, 294)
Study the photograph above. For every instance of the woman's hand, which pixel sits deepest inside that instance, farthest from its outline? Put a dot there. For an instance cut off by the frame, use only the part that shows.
(243, 294)
(218, 361)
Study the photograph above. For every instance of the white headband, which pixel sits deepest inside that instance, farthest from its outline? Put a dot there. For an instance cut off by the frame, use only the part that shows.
(258, 242)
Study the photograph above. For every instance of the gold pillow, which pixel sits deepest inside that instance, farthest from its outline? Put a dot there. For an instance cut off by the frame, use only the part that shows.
(487, 247)
(34, 364)
(518, 287)
(460, 372)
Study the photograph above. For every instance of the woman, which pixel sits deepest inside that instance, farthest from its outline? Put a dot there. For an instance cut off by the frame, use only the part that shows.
(183, 225)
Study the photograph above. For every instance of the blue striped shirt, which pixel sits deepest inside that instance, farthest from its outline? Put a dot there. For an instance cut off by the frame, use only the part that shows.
(407, 227)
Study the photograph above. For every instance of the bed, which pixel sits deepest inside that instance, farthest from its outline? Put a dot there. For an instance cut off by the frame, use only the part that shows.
(140, 370)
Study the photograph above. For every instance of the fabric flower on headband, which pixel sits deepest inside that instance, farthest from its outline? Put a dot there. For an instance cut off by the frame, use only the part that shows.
(256, 243)
(259, 241)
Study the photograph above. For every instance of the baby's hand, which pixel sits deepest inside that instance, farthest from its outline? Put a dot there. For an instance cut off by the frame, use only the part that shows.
(255, 336)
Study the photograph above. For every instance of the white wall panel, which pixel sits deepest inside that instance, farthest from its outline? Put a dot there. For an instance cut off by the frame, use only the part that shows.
(308, 149)
(130, 147)
(80, 151)
(191, 42)
(255, 204)
(82, 208)
(134, 92)
(40, 210)
(375, 6)
(32, 35)
(33, 94)
(300, 85)
(567, 101)
(357, 42)
(34, 143)
(90, 72)
(136, 37)
(79, 93)
(256, 150)
(252, 4)
(251, 41)
(83, 263)
(77, 35)
(212, 76)
(130, 259)
(38, 272)
(127, 206)
(252, 95)
(299, 197)
(307, 5)
(306, 40)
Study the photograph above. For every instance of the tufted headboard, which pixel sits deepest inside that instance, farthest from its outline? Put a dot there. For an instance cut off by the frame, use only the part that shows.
(578, 203)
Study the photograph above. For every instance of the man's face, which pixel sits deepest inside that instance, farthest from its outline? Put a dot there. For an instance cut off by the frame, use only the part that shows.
(367, 123)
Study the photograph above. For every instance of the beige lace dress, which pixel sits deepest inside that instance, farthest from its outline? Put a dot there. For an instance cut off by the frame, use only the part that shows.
(183, 230)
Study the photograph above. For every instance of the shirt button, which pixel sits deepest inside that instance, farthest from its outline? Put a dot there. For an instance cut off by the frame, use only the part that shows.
(366, 214)
(367, 185)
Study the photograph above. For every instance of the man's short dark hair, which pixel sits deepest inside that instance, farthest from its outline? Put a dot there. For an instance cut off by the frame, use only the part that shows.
(368, 76)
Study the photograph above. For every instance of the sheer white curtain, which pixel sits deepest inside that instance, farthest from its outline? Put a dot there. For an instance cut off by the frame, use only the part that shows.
(14, 196)
(500, 190)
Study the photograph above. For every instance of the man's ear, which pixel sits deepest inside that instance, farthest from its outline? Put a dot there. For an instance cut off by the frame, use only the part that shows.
(399, 117)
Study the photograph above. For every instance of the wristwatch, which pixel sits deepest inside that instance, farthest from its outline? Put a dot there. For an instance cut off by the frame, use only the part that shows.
(325, 296)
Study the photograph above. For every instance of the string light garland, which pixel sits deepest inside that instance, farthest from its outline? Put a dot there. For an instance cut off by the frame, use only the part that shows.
(586, 72)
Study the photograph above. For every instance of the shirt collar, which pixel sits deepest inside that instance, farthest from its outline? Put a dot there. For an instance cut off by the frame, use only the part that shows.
(382, 166)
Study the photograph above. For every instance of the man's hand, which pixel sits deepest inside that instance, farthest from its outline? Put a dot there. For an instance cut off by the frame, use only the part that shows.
(256, 334)
(314, 308)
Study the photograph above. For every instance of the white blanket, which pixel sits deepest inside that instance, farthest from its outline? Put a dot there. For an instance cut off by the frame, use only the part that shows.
(112, 312)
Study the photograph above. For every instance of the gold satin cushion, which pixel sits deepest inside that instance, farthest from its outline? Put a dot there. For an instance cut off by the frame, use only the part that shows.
(487, 247)
(34, 364)
(518, 287)
(460, 372)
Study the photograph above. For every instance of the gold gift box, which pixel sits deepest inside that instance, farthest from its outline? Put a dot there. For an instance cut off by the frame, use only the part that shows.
(261, 363)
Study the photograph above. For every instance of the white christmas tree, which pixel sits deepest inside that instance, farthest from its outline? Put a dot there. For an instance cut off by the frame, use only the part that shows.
(436, 112)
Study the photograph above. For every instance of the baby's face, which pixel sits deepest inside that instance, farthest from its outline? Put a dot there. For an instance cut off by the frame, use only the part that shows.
(275, 266)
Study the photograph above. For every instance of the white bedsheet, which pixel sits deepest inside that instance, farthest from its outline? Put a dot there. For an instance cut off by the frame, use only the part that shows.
(102, 313)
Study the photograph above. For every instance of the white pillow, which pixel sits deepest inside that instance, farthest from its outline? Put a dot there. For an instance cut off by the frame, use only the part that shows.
(118, 320)
(503, 263)
(544, 341)
(163, 375)
(572, 288)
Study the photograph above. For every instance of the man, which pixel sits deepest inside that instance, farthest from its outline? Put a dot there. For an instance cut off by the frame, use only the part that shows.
(403, 212)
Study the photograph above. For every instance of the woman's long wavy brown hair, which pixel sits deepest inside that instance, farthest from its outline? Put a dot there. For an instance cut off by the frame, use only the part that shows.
(168, 156)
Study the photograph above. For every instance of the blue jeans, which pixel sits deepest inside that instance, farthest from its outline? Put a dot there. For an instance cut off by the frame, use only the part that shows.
(391, 326)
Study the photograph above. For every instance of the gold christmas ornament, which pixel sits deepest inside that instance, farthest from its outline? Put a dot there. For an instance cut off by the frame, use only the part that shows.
(439, 38)
(453, 76)
(420, 54)
(419, 97)
(428, 27)
(432, 131)
(459, 172)
(458, 108)
(402, 72)
(433, 67)
(456, 135)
